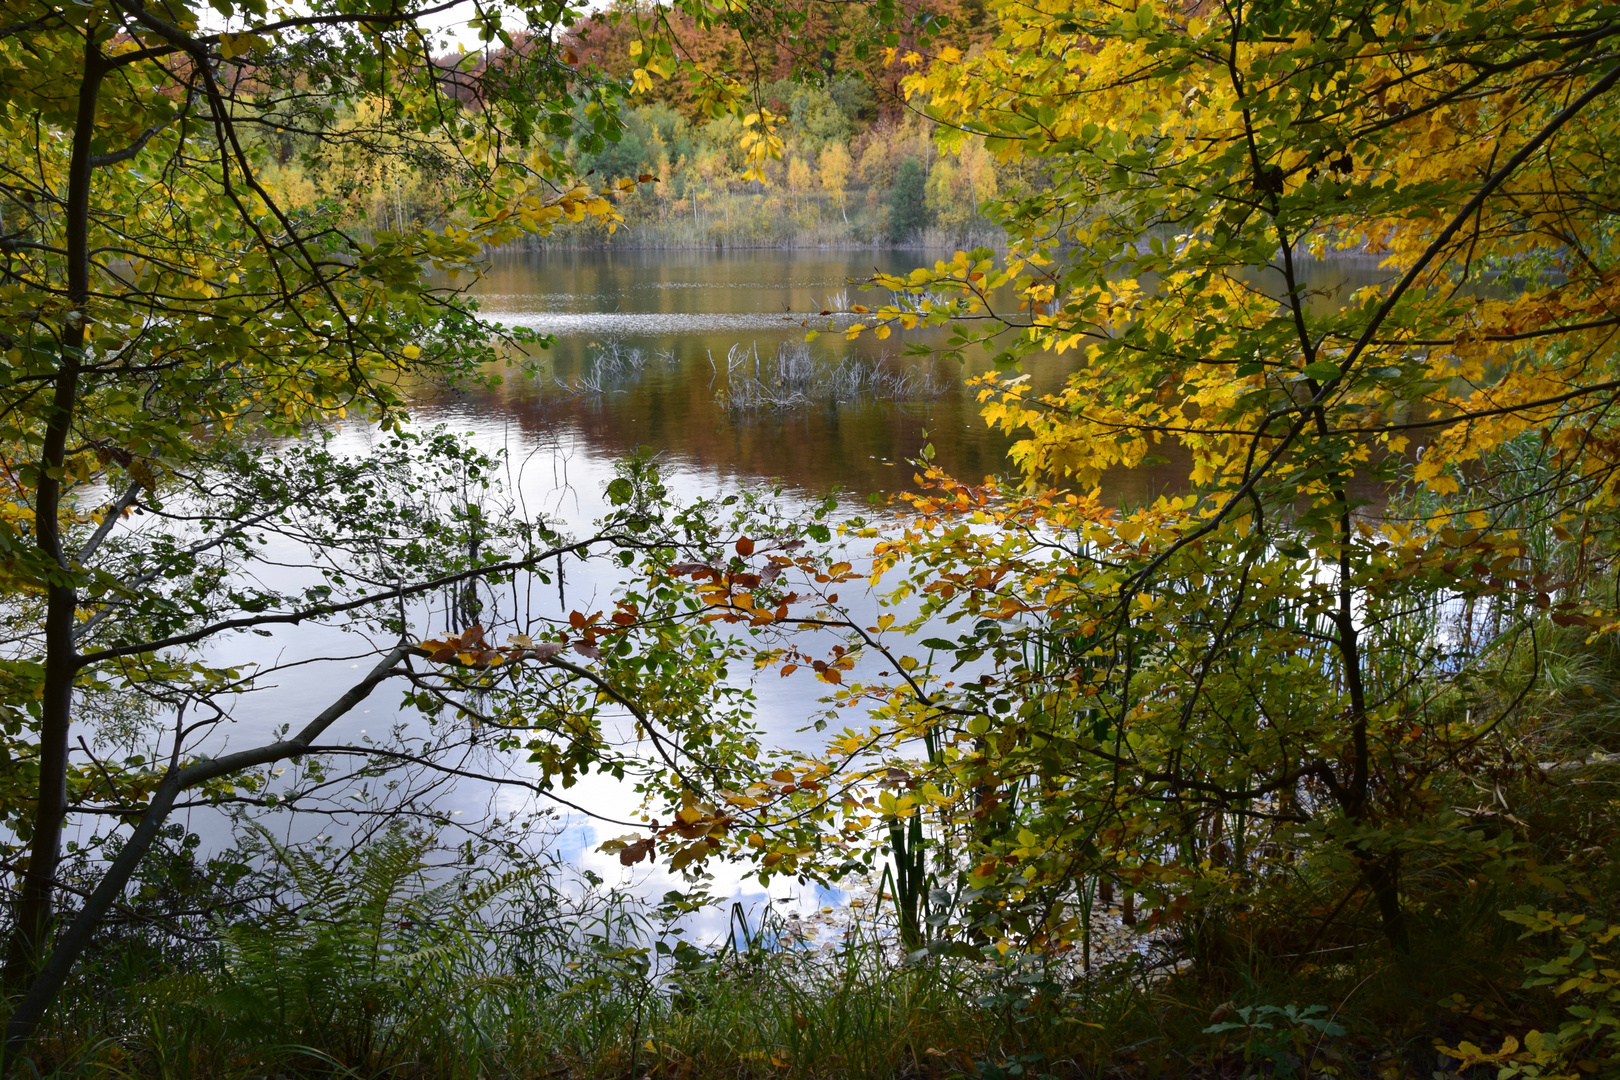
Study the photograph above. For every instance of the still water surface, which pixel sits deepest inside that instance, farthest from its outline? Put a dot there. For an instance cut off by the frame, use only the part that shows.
(685, 311)
(689, 308)
(682, 312)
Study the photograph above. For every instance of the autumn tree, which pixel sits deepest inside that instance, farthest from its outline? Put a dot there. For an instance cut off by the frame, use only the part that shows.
(908, 201)
(834, 174)
(1269, 664)
(686, 50)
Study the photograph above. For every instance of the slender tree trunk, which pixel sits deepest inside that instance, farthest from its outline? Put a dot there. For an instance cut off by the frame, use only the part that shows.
(32, 927)
(1383, 878)
(42, 989)
(1382, 873)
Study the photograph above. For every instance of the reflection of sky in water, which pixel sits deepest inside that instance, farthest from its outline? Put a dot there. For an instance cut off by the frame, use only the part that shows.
(553, 472)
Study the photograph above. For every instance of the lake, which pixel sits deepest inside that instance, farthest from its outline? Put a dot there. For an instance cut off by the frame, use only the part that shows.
(683, 311)
(671, 319)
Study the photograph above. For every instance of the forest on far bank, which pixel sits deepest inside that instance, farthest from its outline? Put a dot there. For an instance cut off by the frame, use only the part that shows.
(858, 166)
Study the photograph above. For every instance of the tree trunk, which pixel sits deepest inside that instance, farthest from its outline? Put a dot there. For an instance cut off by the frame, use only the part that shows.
(1381, 873)
(43, 987)
(1383, 878)
(32, 928)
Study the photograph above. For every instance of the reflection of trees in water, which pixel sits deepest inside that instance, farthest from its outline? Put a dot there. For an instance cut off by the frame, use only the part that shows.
(860, 444)
(658, 388)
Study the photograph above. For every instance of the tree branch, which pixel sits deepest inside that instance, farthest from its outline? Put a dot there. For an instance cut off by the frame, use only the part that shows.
(48, 982)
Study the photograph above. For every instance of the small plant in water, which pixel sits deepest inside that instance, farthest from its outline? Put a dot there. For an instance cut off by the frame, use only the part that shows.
(612, 367)
(794, 378)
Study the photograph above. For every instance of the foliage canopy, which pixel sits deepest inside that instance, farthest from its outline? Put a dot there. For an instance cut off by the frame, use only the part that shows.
(1283, 673)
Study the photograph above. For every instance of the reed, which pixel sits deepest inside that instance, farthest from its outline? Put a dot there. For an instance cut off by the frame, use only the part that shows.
(793, 377)
(611, 367)
(382, 962)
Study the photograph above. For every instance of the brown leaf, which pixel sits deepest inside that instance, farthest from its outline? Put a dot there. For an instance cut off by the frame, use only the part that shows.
(586, 649)
(634, 853)
(745, 546)
(694, 568)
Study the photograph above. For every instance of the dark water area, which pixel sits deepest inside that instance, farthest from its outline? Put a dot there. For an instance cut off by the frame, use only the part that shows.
(681, 312)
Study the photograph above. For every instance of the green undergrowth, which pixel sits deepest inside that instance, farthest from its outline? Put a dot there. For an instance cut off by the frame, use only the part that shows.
(376, 964)
(269, 961)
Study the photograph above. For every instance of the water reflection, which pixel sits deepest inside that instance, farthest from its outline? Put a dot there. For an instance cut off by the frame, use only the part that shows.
(691, 307)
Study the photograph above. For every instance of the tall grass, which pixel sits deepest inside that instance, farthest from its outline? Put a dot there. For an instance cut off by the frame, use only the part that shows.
(379, 962)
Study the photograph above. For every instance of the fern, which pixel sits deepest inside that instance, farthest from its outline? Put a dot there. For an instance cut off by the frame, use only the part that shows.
(360, 956)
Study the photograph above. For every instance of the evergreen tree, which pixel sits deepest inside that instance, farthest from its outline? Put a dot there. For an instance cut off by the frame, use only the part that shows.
(908, 207)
